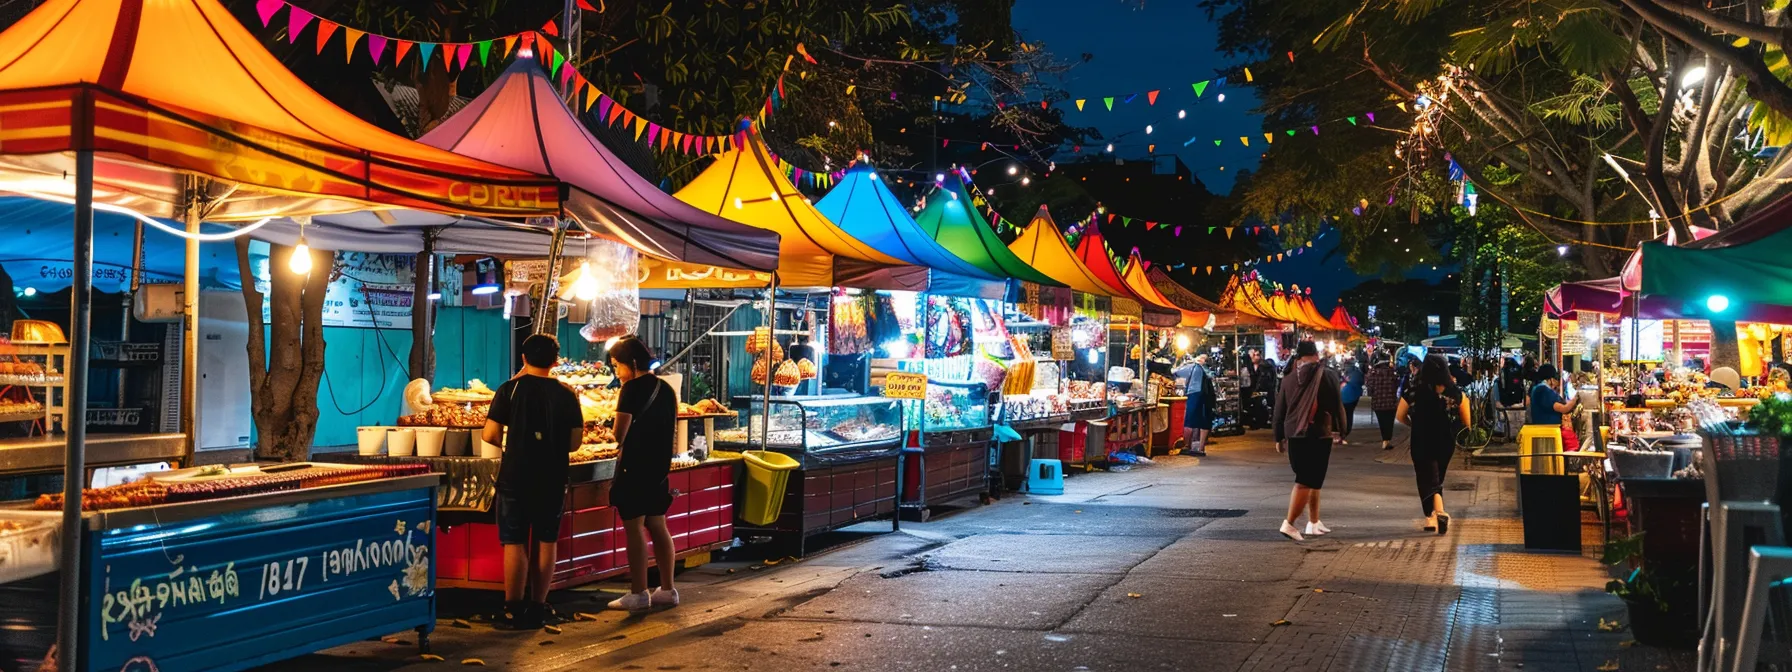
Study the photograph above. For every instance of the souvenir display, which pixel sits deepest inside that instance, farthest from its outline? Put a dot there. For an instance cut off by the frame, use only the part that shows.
(848, 332)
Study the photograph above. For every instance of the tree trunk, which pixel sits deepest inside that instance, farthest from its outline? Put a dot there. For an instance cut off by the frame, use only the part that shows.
(423, 313)
(1725, 350)
(283, 390)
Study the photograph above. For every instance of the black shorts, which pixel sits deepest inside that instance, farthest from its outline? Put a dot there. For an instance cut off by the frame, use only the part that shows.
(1310, 459)
(523, 517)
(633, 499)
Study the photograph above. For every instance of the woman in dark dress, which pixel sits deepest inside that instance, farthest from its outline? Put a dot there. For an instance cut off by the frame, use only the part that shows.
(1432, 406)
(646, 418)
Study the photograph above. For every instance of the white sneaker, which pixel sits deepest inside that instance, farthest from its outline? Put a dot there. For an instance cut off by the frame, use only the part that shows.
(664, 598)
(1316, 528)
(633, 602)
(1291, 532)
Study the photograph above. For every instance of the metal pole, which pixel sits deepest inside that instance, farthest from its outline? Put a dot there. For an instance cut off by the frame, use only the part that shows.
(74, 470)
(771, 333)
(571, 26)
(548, 311)
(189, 345)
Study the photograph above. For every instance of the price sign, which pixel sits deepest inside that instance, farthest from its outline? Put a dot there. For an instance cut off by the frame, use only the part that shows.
(1062, 347)
(905, 385)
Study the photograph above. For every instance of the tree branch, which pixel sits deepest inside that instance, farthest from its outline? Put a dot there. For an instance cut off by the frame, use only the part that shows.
(1721, 23)
(1764, 86)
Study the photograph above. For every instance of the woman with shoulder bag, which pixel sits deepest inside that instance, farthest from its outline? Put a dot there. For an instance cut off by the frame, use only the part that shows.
(1433, 407)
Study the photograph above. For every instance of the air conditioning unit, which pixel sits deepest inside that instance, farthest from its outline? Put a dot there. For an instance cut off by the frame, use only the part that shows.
(157, 303)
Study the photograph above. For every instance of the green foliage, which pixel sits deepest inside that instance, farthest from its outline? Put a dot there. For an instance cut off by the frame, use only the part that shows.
(1640, 586)
(1773, 416)
(1587, 103)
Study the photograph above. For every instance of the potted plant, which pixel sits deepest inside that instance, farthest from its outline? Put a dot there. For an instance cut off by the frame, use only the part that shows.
(1654, 619)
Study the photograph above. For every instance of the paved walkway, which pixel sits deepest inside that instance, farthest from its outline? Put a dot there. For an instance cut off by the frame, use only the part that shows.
(1175, 566)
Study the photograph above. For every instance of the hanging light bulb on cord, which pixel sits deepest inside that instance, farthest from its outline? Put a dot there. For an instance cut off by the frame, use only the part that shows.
(585, 288)
(301, 254)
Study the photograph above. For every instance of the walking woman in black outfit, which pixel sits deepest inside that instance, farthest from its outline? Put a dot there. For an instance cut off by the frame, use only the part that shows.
(1433, 407)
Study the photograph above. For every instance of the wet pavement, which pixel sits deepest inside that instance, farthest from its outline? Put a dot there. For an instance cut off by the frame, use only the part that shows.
(1175, 566)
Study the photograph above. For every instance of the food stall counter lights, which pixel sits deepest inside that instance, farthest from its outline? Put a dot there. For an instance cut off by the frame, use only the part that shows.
(1717, 303)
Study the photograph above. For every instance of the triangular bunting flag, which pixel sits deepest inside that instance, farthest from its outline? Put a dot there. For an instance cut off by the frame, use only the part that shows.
(653, 133)
(266, 9)
(1309, 243)
(850, 88)
(1149, 149)
(615, 111)
(550, 28)
(325, 29)
(1229, 231)
(296, 20)
(1178, 233)
(1151, 97)
(1200, 87)
(1371, 116)
(1150, 225)
(485, 52)
(1401, 105)
(1352, 120)
(350, 37)
(1247, 75)
(591, 96)
(403, 47)
(376, 47)
(1216, 143)
(1277, 229)
(1110, 102)
(1129, 98)
(1079, 104)
(587, 7)
(640, 127)
(1290, 54)
(1210, 230)
(559, 59)
(509, 45)
(1290, 132)
(424, 51)
(1245, 139)
(1210, 270)
(1269, 138)
(665, 138)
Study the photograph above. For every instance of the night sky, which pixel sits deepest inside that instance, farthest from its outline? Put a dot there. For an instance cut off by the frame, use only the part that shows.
(1168, 46)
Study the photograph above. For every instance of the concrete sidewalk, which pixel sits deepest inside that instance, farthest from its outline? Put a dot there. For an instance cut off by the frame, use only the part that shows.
(1172, 566)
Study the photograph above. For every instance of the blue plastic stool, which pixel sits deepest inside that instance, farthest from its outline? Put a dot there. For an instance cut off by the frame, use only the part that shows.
(1045, 477)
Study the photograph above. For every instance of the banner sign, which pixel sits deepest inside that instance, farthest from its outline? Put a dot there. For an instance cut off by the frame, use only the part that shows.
(366, 289)
(905, 385)
(259, 584)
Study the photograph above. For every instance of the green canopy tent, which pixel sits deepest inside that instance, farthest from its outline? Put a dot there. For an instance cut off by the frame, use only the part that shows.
(952, 219)
(1746, 282)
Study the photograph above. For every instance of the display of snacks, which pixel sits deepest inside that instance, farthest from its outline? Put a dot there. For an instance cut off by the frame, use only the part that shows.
(1046, 375)
(730, 435)
(582, 374)
(702, 408)
(592, 452)
(28, 547)
(205, 484)
(598, 404)
(684, 462)
(806, 369)
(1083, 390)
(20, 407)
(858, 431)
(597, 434)
(1034, 406)
(465, 415)
(762, 370)
(27, 373)
(476, 391)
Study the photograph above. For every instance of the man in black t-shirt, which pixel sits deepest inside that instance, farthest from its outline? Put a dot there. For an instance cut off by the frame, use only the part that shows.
(537, 420)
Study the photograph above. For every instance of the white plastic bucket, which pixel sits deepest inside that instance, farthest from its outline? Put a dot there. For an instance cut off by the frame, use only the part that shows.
(370, 440)
(490, 451)
(401, 441)
(429, 442)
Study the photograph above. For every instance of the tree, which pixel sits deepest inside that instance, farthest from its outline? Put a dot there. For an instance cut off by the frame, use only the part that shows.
(283, 391)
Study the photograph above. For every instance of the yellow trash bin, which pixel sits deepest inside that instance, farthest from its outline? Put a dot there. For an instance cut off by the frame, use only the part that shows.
(1540, 439)
(768, 474)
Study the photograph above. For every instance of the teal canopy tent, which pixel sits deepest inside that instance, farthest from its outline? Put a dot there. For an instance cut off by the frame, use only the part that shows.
(1748, 281)
(863, 207)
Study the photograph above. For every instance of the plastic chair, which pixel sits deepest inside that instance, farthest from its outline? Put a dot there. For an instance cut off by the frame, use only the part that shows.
(1767, 567)
(1540, 439)
(1045, 477)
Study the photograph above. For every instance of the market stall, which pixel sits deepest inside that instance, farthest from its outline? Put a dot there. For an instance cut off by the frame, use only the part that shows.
(964, 346)
(1133, 407)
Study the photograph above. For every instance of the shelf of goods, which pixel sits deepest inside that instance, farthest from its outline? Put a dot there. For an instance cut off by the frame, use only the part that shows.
(591, 542)
(1227, 407)
(846, 447)
(295, 558)
(41, 455)
(32, 386)
(948, 450)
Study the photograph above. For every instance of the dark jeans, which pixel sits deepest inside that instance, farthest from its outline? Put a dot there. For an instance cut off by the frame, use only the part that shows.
(1386, 420)
(1429, 464)
(1349, 418)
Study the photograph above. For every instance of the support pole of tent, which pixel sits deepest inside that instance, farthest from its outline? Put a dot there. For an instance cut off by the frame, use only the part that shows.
(771, 333)
(189, 320)
(570, 31)
(548, 311)
(74, 470)
(423, 309)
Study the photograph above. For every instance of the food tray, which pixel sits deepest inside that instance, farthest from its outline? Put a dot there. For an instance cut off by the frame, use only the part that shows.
(458, 398)
(31, 549)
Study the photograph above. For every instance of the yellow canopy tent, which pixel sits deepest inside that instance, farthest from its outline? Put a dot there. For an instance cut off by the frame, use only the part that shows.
(1043, 247)
(1137, 281)
(746, 185)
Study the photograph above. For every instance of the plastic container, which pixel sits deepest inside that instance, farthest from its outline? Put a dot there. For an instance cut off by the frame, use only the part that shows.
(457, 440)
(429, 442)
(1045, 477)
(459, 448)
(768, 475)
(490, 451)
(401, 441)
(369, 440)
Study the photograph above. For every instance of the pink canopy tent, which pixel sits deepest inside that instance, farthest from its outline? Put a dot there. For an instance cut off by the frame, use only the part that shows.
(520, 122)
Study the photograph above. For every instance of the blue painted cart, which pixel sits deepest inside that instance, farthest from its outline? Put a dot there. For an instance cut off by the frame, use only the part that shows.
(234, 583)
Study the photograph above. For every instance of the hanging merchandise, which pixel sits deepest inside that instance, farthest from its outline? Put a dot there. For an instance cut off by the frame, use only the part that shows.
(847, 329)
(760, 340)
(949, 329)
(788, 375)
(609, 278)
(884, 326)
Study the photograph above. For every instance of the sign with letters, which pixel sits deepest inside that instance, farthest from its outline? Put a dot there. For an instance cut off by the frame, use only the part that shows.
(905, 385)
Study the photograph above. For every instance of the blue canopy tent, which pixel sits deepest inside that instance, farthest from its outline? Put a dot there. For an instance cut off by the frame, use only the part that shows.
(39, 249)
(861, 205)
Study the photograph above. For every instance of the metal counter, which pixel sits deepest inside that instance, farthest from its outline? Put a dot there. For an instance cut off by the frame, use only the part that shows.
(44, 454)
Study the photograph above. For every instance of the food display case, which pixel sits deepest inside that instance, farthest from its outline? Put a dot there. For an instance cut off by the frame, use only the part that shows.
(827, 429)
(847, 448)
(948, 445)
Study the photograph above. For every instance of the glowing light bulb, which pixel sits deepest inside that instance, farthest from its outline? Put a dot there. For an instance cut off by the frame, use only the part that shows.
(1222, 97)
(1147, 129)
(1110, 146)
(774, 197)
(939, 177)
(301, 258)
(1013, 169)
(737, 204)
(1026, 181)
(1181, 114)
(585, 288)
(1561, 250)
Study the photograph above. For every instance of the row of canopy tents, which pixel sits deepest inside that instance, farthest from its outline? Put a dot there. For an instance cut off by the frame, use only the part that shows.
(1247, 298)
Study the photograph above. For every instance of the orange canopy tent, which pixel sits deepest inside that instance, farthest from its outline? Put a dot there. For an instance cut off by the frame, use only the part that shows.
(746, 185)
(158, 89)
(1247, 298)
(1223, 317)
(1140, 284)
(1342, 321)
(1309, 313)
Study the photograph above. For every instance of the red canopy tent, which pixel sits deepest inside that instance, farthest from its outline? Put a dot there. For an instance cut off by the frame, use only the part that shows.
(1092, 250)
